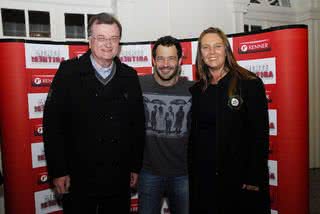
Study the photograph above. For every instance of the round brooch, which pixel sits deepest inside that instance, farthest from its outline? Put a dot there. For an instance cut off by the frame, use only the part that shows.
(235, 102)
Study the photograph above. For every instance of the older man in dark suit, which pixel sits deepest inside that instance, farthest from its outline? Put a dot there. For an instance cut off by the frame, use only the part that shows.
(94, 125)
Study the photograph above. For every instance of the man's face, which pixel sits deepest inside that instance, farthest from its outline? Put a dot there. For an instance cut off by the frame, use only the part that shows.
(166, 62)
(104, 42)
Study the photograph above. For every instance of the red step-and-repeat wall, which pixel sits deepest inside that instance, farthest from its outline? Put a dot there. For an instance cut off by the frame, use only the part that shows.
(278, 55)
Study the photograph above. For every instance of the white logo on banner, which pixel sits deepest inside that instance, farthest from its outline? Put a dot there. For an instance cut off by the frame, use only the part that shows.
(43, 178)
(264, 68)
(136, 55)
(36, 103)
(274, 212)
(186, 71)
(254, 46)
(45, 202)
(41, 80)
(38, 156)
(44, 55)
(244, 48)
(273, 172)
(194, 48)
(273, 122)
(38, 130)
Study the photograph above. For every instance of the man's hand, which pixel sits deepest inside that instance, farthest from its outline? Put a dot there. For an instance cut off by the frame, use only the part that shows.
(62, 184)
(134, 179)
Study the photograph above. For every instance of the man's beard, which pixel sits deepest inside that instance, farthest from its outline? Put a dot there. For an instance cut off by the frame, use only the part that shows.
(176, 72)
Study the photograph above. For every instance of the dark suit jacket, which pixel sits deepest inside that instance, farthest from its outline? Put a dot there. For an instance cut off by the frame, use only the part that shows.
(242, 141)
(92, 132)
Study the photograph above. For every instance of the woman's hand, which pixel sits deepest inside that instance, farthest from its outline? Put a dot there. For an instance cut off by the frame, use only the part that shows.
(250, 187)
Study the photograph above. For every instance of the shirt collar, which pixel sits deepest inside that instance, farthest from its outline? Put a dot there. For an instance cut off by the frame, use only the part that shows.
(99, 68)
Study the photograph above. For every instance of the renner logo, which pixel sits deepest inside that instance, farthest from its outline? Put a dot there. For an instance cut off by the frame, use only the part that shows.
(255, 46)
(42, 80)
(38, 130)
(269, 99)
(133, 56)
(46, 56)
(43, 178)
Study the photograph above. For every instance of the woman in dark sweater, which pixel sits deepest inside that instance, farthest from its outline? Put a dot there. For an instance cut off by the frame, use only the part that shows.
(228, 149)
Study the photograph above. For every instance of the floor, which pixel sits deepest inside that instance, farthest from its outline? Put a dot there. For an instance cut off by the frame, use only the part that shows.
(314, 192)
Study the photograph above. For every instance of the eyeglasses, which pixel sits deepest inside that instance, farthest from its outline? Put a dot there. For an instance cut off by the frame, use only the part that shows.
(102, 39)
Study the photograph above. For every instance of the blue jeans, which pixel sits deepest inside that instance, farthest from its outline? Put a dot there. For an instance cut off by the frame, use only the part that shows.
(153, 188)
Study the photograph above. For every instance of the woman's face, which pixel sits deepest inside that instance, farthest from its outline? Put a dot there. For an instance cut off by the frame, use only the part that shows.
(213, 51)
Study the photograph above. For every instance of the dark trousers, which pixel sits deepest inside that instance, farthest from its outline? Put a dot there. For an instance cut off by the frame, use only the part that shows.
(79, 204)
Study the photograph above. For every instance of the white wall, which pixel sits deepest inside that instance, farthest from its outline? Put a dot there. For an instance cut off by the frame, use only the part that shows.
(194, 18)
(145, 20)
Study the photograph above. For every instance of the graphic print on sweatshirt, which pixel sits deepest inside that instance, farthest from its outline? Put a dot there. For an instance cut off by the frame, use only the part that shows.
(167, 116)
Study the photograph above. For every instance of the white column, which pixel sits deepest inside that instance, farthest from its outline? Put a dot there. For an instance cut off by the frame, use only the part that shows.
(314, 83)
(314, 93)
(240, 7)
(114, 7)
(309, 14)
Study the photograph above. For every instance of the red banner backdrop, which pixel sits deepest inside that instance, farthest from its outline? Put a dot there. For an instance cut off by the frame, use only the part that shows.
(280, 58)
(277, 55)
(15, 129)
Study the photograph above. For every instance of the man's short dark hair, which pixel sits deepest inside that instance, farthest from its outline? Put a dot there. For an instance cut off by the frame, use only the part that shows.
(103, 18)
(167, 41)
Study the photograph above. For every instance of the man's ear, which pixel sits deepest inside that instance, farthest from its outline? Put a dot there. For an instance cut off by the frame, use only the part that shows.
(119, 51)
(89, 42)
